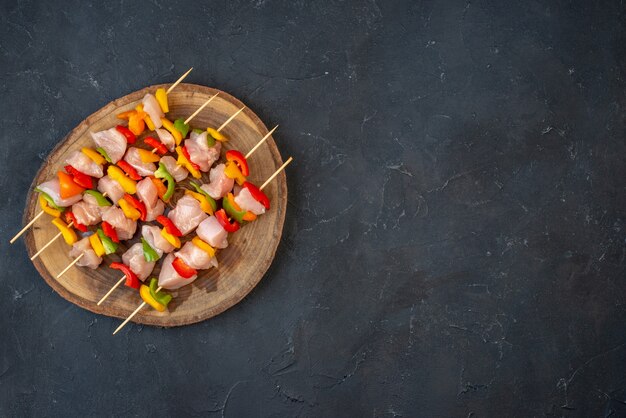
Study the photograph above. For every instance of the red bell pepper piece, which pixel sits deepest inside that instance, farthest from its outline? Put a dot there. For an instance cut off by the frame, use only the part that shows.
(222, 218)
(130, 137)
(131, 278)
(257, 194)
(129, 170)
(169, 226)
(183, 269)
(70, 218)
(156, 144)
(110, 231)
(82, 179)
(239, 159)
(186, 154)
(137, 204)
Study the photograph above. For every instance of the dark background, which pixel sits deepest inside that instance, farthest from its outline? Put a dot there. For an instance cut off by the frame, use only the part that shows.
(454, 242)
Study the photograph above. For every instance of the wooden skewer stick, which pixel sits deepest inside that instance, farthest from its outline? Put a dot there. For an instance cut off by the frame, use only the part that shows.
(50, 243)
(230, 119)
(260, 142)
(131, 316)
(112, 289)
(177, 82)
(193, 115)
(70, 265)
(19, 234)
(136, 311)
(277, 172)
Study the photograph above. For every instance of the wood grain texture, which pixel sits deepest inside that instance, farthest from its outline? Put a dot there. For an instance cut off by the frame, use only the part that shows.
(241, 265)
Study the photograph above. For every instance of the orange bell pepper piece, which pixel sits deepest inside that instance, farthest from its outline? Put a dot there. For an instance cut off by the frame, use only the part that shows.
(67, 186)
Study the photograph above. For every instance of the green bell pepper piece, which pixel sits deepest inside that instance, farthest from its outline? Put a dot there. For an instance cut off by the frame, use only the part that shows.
(232, 212)
(109, 246)
(181, 127)
(100, 199)
(209, 139)
(104, 154)
(160, 296)
(50, 200)
(162, 173)
(148, 252)
(205, 194)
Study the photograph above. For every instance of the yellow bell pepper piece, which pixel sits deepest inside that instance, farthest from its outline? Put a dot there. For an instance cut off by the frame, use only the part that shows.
(203, 246)
(144, 292)
(50, 211)
(68, 233)
(204, 203)
(116, 173)
(94, 155)
(96, 245)
(216, 135)
(232, 170)
(175, 241)
(149, 123)
(147, 156)
(129, 211)
(178, 137)
(182, 160)
(161, 97)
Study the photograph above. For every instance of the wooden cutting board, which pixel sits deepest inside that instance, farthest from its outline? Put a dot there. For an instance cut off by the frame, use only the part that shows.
(241, 265)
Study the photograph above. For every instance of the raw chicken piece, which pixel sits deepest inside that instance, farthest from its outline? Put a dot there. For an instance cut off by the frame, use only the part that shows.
(152, 108)
(132, 158)
(219, 184)
(53, 189)
(213, 233)
(124, 227)
(152, 234)
(157, 210)
(133, 258)
(187, 214)
(87, 211)
(90, 259)
(195, 257)
(84, 164)
(112, 188)
(147, 192)
(167, 139)
(169, 279)
(199, 151)
(246, 202)
(113, 142)
(179, 172)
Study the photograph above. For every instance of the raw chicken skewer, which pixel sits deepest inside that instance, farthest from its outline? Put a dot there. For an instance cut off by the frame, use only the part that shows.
(21, 232)
(205, 104)
(258, 144)
(57, 236)
(136, 311)
(188, 119)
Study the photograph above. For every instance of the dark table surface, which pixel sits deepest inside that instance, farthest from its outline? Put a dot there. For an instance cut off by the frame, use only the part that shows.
(454, 242)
